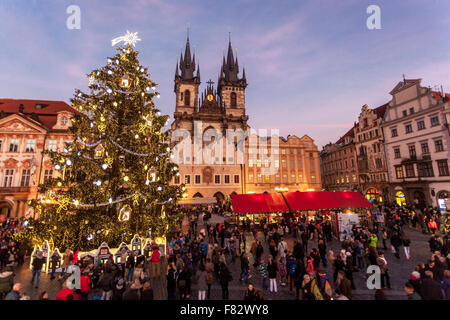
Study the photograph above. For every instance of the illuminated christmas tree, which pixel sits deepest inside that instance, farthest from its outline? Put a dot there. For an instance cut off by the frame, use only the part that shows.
(114, 177)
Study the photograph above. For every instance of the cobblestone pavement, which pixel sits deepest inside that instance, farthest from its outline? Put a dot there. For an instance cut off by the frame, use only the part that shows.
(400, 270)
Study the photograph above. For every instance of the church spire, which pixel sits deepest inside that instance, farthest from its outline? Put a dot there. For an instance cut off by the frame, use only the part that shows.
(176, 71)
(187, 65)
(198, 71)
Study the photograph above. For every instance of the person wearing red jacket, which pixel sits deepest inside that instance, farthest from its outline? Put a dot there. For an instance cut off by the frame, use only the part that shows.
(155, 269)
(66, 294)
(85, 286)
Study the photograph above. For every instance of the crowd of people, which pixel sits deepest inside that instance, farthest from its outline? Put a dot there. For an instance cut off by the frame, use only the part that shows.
(292, 252)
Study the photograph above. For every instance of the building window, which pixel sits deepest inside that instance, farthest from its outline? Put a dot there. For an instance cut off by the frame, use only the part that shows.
(227, 179)
(399, 172)
(283, 151)
(347, 179)
(259, 178)
(397, 153)
(425, 149)
(217, 178)
(266, 163)
(277, 163)
(292, 178)
(277, 178)
(258, 163)
(354, 178)
(353, 163)
(311, 155)
(412, 151)
(187, 179)
(434, 121)
(443, 167)
(300, 178)
(64, 121)
(378, 163)
(30, 146)
(410, 170)
(236, 179)
(250, 178)
(394, 132)
(405, 113)
(285, 178)
(283, 163)
(13, 145)
(176, 179)
(312, 165)
(425, 169)
(313, 179)
(408, 128)
(48, 174)
(233, 99)
(250, 162)
(25, 181)
(292, 163)
(197, 179)
(438, 145)
(420, 125)
(299, 163)
(187, 98)
(411, 110)
(267, 178)
(52, 145)
(9, 174)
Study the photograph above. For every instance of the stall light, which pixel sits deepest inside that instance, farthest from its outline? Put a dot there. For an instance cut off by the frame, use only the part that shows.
(310, 189)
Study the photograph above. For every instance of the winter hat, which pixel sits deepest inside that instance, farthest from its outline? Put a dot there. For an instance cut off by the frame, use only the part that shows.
(414, 275)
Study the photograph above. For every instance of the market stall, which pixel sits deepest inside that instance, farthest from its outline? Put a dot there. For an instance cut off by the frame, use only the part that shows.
(345, 208)
(255, 207)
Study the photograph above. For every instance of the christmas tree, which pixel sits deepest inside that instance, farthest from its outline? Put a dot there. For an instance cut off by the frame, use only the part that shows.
(114, 177)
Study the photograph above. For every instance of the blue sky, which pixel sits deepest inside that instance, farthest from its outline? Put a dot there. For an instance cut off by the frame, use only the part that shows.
(310, 65)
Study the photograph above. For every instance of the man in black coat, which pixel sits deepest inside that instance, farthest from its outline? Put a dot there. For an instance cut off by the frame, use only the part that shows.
(131, 293)
(431, 289)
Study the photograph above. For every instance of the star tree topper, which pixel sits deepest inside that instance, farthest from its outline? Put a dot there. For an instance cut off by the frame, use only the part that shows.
(129, 39)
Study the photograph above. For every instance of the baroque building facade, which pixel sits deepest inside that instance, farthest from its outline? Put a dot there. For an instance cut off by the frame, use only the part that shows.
(28, 127)
(372, 169)
(338, 164)
(417, 144)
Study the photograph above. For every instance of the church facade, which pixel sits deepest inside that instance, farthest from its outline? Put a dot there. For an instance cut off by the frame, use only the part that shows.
(215, 161)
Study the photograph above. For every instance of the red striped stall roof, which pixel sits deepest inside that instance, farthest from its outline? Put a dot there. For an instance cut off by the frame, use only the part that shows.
(258, 203)
(296, 201)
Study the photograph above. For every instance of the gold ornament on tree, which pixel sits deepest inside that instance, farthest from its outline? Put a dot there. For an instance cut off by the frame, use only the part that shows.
(125, 82)
(125, 213)
(152, 175)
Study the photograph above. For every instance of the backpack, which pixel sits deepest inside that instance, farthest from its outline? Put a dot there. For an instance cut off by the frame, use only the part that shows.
(292, 268)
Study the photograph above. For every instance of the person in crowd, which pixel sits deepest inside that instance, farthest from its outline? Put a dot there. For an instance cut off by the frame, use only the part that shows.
(38, 262)
(411, 292)
(202, 282)
(382, 263)
(272, 271)
(16, 292)
(250, 293)
(225, 278)
(310, 289)
(147, 291)
(344, 287)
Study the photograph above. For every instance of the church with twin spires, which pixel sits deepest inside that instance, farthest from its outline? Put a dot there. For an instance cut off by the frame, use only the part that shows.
(222, 106)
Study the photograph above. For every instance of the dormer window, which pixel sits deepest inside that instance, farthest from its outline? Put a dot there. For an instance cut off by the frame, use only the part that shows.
(64, 121)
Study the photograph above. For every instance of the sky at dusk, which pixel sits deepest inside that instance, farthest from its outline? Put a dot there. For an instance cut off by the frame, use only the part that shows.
(310, 65)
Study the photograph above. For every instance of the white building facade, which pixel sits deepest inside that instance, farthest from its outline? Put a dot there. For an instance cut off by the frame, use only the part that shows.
(417, 144)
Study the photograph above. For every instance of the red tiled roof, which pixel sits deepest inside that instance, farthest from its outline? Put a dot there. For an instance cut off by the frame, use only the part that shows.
(438, 95)
(381, 110)
(52, 108)
(349, 133)
(47, 115)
